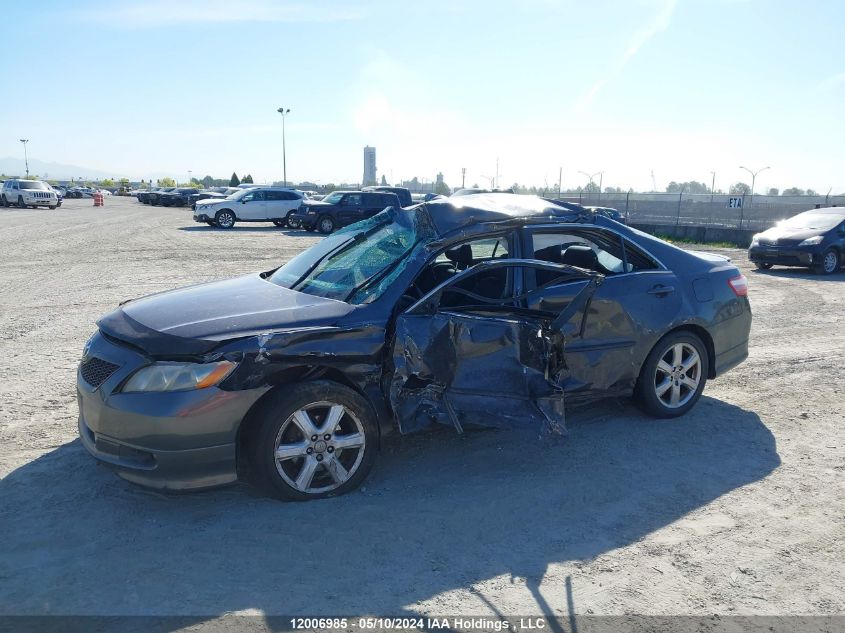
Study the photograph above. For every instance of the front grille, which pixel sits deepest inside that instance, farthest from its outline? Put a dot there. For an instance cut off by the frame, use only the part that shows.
(95, 371)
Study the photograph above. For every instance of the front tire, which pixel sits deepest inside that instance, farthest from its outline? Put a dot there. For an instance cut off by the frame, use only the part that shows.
(673, 376)
(325, 224)
(293, 222)
(313, 440)
(225, 219)
(829, 263)
(280, 223)
(763, 265)
(21, 205)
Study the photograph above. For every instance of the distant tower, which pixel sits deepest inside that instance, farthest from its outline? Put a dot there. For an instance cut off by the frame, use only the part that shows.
(369, 166)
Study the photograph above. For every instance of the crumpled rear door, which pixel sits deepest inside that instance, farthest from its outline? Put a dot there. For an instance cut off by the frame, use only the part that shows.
(487, 365)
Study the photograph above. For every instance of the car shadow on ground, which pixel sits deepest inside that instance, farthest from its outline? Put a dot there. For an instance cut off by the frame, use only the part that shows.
(800, 273)
(440, 512)
(251, 229)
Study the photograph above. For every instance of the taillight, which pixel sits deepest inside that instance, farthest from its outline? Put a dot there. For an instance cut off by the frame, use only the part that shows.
(739, 285)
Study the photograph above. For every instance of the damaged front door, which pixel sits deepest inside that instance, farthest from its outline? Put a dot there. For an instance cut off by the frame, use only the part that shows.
(470, 353)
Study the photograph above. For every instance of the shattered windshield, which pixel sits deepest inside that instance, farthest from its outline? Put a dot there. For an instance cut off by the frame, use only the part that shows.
(360, 262)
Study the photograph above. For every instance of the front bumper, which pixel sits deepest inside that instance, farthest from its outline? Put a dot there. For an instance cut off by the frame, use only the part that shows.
(784, 255)
(306, 220)
(174, 441)
(202, 215)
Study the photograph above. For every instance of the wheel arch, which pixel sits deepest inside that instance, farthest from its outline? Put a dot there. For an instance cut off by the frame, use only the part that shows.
(706, 338)
(290, 377)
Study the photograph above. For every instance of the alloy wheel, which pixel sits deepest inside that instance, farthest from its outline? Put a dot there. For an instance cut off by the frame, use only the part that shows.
(678, 375)
(830, 262)
(319, 447)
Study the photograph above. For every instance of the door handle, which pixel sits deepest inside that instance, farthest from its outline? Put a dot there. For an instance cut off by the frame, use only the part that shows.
(661, 290)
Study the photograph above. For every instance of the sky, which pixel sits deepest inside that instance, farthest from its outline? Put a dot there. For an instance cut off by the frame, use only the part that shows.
(677, 88)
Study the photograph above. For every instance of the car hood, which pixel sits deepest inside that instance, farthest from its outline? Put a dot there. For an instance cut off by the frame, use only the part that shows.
(316, 203)
(194, 320)
(791, 234)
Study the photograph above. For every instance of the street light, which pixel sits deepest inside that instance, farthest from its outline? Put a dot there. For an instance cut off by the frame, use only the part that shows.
(712, 185)
(284, 112)
(753, 178)
(600, 174)
(25, 158)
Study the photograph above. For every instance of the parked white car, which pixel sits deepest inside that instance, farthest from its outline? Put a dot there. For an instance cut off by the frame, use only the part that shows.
(28, 193)
(263, 204)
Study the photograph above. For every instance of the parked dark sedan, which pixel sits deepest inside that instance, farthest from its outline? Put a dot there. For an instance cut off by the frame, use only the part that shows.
(489, 311)
(814, 239)
(179, 197)
(154, 196)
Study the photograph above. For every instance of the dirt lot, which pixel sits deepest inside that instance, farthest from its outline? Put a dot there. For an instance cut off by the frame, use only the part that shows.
(735, 509)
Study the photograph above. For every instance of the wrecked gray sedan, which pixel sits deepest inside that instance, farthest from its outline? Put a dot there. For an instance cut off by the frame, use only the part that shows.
(487, 310)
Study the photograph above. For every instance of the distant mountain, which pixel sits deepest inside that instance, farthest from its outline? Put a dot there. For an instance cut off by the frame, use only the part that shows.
(57, 171)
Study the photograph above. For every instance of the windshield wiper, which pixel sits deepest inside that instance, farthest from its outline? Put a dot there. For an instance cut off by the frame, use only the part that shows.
(384, 272)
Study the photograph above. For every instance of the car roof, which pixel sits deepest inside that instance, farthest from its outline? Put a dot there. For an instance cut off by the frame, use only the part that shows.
(449, 214)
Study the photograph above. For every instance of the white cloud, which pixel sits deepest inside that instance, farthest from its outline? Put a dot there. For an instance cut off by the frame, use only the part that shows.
(163, 13)
(659, 22)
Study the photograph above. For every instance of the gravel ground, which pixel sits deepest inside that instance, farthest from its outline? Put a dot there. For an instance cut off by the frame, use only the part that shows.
(737, 508)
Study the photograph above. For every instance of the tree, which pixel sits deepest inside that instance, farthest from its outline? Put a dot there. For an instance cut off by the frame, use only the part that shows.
(793, 191)
(247, 180)
(740, 189)
(234, 181)
(166, 182)
(590, 187)
(693, 186)
(613, 190)
(124, 182)
(107, 182)
(812, 192)
(773, 191)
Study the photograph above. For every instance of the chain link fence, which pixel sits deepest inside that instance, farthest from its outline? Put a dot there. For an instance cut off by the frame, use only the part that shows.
(717, 210)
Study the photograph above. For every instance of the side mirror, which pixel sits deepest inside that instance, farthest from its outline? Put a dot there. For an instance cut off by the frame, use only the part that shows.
(243, 201)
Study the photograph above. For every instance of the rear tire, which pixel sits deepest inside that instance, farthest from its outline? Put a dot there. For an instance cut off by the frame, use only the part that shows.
(21, 205)
(280, 223)
(5, 202)
(225, 219)
(829, 263)
(763, 265)
(295, 445)
(673, 375)
(293, 222)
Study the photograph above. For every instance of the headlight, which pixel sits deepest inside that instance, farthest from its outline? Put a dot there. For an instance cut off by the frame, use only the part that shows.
(166, 376)
(812, 241)
(755, 240)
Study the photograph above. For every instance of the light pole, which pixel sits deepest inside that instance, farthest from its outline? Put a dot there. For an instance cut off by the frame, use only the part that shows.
(753, 178)
(25, 158)
(600, 174)
(284, 112)
(463, 177)
(712, 185)
(190, 180)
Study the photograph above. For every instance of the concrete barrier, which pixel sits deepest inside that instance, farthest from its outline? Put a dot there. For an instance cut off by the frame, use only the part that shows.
(700, 234)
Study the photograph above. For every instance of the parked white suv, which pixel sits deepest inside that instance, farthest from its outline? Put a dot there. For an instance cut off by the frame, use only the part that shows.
(265, 204)
(28, 193)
